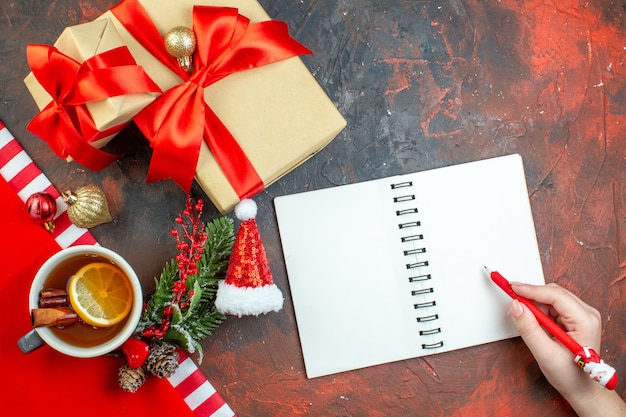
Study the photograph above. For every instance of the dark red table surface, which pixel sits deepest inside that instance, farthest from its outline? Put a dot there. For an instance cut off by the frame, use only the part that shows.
(422, 84)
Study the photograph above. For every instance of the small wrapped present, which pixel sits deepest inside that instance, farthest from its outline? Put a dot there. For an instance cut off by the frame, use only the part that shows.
(253, 121)
(97, 84)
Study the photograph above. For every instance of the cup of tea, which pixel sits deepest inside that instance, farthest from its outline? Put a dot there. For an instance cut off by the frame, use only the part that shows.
(73, 334)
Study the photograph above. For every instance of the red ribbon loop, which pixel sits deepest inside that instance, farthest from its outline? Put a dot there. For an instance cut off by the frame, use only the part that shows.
(178, 120)
(65, 124)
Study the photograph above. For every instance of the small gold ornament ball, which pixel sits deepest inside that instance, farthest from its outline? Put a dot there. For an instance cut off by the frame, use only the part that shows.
(87, 206)
(180, 42)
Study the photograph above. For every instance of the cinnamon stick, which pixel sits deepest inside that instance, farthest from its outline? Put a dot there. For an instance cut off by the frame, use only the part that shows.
(53, 316)
(52, 292)
(59, 301)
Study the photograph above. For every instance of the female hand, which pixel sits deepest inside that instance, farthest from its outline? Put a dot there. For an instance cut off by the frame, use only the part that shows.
(584, 324)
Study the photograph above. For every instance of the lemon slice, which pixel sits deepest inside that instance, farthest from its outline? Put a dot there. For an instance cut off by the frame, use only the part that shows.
(100, 294)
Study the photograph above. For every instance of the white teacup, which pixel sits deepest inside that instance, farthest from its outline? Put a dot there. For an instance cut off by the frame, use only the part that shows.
(45, 335)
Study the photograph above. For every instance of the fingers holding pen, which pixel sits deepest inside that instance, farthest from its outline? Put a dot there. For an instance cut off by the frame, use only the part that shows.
(570, 312)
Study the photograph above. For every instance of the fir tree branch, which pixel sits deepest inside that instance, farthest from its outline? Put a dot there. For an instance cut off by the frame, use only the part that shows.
(199, 317)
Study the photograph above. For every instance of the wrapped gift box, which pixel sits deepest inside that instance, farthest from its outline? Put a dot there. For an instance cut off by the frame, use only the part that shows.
(81, 42)
(278, 113)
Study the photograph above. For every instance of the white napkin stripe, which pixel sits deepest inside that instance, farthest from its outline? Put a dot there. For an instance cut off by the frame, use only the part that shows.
(15, 165)
(5, 136)
(200, 395)
(40, 182)
(185, 368)
(224, 411)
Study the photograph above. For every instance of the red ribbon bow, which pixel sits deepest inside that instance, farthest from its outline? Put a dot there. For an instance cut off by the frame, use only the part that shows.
(65, 124)
(178, 120)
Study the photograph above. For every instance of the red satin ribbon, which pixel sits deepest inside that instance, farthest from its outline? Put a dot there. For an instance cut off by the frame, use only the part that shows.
(177, 121)
(65, 124)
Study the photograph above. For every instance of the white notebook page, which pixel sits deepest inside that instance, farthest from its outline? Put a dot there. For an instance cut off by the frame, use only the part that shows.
(347, 267)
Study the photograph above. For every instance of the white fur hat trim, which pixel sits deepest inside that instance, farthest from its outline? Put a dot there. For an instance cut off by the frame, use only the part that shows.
(241, 301)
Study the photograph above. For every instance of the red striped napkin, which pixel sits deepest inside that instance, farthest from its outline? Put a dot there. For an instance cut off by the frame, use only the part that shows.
(46, 382)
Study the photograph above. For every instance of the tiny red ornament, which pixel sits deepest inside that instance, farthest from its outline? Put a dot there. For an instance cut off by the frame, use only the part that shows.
(136, 352)
(42, 208)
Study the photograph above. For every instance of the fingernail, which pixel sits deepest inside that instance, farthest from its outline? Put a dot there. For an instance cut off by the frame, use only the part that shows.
(516, 309)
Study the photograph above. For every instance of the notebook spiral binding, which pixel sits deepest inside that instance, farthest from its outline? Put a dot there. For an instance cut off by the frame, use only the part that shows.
(418, 277)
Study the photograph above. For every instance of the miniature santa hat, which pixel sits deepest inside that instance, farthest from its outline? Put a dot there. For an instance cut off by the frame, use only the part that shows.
(248, 288)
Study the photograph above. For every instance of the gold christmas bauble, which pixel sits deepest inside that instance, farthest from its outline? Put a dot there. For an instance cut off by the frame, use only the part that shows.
(180, 42)
(87, 206)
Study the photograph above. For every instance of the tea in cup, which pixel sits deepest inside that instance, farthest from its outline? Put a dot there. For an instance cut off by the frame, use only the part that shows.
(64, 311)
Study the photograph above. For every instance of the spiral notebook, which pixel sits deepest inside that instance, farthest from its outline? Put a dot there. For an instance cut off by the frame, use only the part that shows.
(392, 269)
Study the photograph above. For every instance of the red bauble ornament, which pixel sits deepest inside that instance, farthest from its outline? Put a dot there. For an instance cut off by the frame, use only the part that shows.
(136, 352)
(42, 208)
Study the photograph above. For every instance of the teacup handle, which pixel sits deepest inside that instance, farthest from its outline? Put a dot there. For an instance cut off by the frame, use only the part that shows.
(30, 341)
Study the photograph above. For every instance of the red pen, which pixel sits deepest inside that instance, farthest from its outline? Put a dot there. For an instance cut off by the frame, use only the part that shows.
(584, 357)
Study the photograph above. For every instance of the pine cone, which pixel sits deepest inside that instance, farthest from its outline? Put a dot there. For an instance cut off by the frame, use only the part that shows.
(130, 380)
(162, 361)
